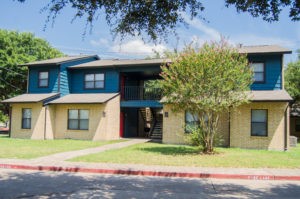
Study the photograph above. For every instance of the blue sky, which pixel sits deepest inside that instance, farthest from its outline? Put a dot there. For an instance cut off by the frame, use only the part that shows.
(67, 36)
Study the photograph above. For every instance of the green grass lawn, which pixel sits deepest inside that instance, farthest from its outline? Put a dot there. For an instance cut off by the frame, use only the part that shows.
(179, 155)
(26, 149)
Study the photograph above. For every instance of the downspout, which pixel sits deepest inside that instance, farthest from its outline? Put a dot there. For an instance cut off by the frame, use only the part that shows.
(229, 128)
(58, 81)
(10, 112)
(27, 79)
(45, 124)
(285, 128)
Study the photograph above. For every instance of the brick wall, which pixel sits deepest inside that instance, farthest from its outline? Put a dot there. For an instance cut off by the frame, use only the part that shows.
(240, 125)
(37, 121)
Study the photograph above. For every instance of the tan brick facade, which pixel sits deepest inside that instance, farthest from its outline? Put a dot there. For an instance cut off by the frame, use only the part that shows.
(240, 127)
(51, 121)
(173, 127)
(37, 121)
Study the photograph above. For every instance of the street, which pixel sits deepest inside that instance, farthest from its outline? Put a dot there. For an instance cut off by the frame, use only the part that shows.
(34, 184)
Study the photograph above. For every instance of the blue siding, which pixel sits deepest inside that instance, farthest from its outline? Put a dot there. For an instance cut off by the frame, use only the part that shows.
(65, 79)
(111, 84)
(34, 76)
(141, 103)
(273, 72)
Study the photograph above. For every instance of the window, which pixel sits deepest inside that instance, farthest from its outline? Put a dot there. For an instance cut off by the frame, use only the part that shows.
(94, 81)
(259, 72)
(26, 118)
(191, 121)
(297, 125)
(43, 79)
(78, 119)
(259, 122)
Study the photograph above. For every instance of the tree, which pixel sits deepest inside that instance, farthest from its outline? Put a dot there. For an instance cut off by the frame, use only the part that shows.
(157, 18)
(19, 48)
(292, 79)
(206, 82)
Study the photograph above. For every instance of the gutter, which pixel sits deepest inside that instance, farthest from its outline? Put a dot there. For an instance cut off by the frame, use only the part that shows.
(9, 130)
(285, 129)
(45, 124)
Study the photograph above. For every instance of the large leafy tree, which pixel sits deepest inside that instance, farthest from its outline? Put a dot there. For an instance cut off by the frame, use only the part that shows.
(206, 82)
(156, 18)
(292, 79)
(19, 48)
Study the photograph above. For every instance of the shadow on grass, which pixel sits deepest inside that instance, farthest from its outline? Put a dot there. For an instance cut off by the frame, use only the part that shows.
(172, 150)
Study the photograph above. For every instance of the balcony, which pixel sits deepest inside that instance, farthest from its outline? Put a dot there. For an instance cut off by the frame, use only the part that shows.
(140, 93)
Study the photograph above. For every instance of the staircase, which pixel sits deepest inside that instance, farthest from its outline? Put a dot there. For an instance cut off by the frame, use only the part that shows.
(156, 133)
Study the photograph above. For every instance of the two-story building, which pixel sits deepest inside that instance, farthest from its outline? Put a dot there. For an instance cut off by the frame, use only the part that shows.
(85, 97)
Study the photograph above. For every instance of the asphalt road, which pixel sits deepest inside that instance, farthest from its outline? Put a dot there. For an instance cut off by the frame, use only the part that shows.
(32, 184)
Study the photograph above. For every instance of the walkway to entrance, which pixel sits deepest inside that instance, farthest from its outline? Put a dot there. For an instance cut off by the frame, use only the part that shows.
(72, 154)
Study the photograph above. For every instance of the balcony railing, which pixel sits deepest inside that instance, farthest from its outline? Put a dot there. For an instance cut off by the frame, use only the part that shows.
(140, 93)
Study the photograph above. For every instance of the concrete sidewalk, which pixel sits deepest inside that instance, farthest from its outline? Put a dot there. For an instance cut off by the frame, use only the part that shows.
(57, 162)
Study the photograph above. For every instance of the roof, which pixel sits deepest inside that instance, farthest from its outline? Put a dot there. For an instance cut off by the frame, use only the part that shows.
(59, 60)
(120, 63)
(262, 96)
(272, 95)
(93, 98)
(261, 49)
(31, 98)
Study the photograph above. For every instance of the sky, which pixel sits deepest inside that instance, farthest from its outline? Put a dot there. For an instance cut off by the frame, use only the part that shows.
(67, 36)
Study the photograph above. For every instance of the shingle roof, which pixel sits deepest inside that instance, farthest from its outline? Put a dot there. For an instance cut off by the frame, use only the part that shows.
(263, 49)
(30, 98)
(262, 96)
(272, 95)
(85, 98)
(117, 62)
(59, 60)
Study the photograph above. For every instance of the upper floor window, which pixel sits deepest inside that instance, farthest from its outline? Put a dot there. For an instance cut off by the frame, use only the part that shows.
(191, 121)
(259, 122)
(43, 78)
(94, 81)
(78, 119)
(259, 72)
(26, 118)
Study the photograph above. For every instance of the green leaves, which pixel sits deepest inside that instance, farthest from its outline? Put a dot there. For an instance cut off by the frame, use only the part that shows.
(206, 81)
(292, 79)
(19, 48)
(210, 78)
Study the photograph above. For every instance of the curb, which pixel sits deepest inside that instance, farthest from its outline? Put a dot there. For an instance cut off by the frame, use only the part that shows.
(150, 173)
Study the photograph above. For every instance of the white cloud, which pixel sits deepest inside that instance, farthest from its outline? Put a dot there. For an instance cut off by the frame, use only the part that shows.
(100, 42)
(137, 46)
(207, 32)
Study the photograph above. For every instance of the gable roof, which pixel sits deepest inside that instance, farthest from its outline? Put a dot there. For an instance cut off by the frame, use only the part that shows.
(33, 97)
(121, 63)
(87, 98)
(59, 60)
(262, 49)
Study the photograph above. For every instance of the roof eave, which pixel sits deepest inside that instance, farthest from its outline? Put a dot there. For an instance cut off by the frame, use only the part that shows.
(59, 63)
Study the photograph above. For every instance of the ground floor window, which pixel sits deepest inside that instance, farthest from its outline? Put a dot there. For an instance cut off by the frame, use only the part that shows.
(26, 118)
(191, 121)
(297, 125)
(259, 122)
(78, 119)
